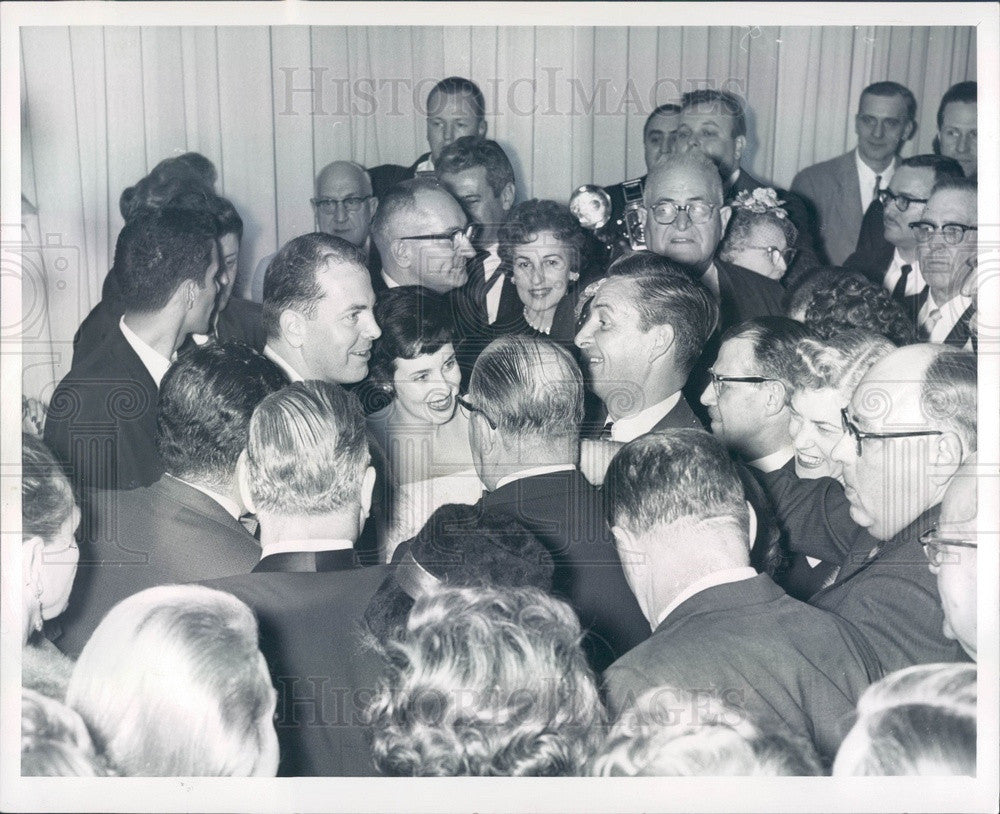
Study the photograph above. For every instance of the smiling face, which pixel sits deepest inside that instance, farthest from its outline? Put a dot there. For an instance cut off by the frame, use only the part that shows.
(945, 266)
(959, 133)
(543, 269)
(449, 117)
(438, 264)
(882, 125)
(707, 128)
(913, 182)
(337, 342)
(816, 427)
(426, 387)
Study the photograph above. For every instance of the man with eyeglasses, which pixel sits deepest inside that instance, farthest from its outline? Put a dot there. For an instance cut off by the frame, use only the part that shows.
(946, 237)
(908, 428)
(684, 220)
(887, 247)
(841, 189)
(952, 556)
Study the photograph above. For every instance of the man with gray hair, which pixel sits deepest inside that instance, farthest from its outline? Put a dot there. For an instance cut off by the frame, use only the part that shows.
(526, 404)
(318, 310)
(681, 525)
(307, 472)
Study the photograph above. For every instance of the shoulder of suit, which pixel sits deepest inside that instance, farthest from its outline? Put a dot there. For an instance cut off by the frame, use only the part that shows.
(821, 168)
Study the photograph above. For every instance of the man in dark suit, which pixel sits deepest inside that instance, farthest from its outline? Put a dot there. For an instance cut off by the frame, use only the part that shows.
(910, 425)
(681, 526)
(526, 397)
(307, 474)
(685, 218)
(186, 526)
(887, 247)
(455, 108)
(646, 327)
(842, 188)
(713, 122)
(318, 310)
(101, 422)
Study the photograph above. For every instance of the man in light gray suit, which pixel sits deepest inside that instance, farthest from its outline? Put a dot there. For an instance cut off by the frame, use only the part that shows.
(841, 189)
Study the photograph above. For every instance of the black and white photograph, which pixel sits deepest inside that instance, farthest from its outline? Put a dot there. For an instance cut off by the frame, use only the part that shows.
(419, 396)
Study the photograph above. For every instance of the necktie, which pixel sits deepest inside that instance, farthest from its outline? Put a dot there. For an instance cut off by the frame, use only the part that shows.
(606, 431)
(488, 287)
(878, 186)
(899, 290)
(933, 317)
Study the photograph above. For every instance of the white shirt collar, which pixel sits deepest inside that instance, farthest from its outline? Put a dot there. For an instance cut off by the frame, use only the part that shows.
(774, 461)
(710, 279)
(389, 282)
(706, 582)
(630, 428)
(289, 371)
(530, 473)
(427, 165)
(227, 503)
(311, 546)
(951, 313)
(867, 176)
(156, 364)
(915, 283)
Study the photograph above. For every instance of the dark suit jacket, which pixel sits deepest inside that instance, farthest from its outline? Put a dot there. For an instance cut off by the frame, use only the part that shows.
(567, 515)
(166, 533)
(792, 668)
(386, 176)
(101, 421)
(833, 190)
(892, 599)
(311, 633)
(962, 333)
(744, 294)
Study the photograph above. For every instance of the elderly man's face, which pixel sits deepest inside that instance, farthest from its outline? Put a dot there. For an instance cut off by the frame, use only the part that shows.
(882, 125)
(891, 482)
(439, 249)
(344, 205)
(658, 138)
(449, 117)
(946, 266)
(707, 128)
(910, 185)
(612, 344)
(683, 240)
(958, 135)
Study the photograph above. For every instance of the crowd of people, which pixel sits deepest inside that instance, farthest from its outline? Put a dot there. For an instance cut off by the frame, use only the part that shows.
(460, 485)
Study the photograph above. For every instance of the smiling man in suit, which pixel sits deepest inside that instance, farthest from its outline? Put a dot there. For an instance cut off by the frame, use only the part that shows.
(185, 526)
(842, 188)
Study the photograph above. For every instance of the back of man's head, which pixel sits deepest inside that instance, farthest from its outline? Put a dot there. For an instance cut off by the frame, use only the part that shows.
(680, 475)
(943, 166)
(469, 152)
(290, 280)
(773, 340)
(206, 400)
(157, 251)
(949, 396)
(666, 294)
(307, 451)
(729, 104)
(530, 388)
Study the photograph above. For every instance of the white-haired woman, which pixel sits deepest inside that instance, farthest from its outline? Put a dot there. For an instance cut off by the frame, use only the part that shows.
(171, 683)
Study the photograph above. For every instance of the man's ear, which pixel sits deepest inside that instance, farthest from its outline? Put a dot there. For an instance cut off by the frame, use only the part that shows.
(402, 252)
(372, 207)
(775, 398)
(740, 144)
(32, 557)
(946, 458)
(725, 212)
(625, 540)
(291, 328)
(663, 340)
(909, 130)
(753, 522)
(507, 195)
(243, 482)
(367, 489)
(481, 129)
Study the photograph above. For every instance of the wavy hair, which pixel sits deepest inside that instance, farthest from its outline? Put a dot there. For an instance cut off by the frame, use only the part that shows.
(838, 362)
(486, 682)
(46, 494)
(852, 303)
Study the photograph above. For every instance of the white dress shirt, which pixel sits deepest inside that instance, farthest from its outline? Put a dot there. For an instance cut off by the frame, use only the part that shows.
(708, 581)
(866, 179)
(152, 360)
(774, 461)
(915, 283)
(710, 279)
(951, 313)
(289, 371)
(628, 429)
(535, 470)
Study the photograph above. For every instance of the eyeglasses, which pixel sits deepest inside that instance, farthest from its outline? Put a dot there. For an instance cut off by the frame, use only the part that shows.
(952, 233)
(776, 254)
(934, 546)
(902, 201)
(718, 380)
(328, 206)
(468, 232)
(666, 212)
(860, 435)
(468, 405)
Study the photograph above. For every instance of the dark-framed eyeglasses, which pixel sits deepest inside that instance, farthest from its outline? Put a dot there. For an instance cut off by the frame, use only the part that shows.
(328, 206)
(860, 435)
(468, 232)
(901, 201)
(924, 230)
(776, 254)
(719, 379)
(468, 405)
(934, 546)
(666, 212)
